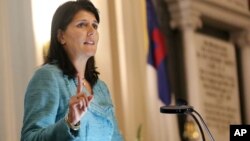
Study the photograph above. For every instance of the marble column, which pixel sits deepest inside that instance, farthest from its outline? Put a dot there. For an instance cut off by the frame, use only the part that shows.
(187, 20)
(243, 41)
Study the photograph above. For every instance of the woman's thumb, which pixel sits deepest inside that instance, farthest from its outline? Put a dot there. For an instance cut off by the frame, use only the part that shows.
(90, 98)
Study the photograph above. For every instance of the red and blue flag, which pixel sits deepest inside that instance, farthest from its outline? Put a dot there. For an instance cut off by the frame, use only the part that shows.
(157, 54)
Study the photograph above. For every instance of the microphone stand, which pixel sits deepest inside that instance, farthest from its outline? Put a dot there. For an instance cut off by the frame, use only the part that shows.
(199, 125)
(188, 110)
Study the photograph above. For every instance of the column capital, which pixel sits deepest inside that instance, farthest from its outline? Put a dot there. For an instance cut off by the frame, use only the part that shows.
(183, 15)
(242, 38)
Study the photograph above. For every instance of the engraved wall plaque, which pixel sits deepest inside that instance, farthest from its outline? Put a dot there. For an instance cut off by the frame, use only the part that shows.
(218, 85)
(240, 5)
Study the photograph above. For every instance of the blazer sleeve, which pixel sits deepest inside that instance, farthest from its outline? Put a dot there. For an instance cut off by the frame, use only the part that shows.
(40, 110)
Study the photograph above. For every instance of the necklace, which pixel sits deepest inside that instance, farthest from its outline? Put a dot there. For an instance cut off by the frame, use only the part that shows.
(87, 86)
(84, 82)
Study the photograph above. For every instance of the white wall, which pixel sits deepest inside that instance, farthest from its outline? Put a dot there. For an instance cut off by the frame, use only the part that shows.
(17, 63)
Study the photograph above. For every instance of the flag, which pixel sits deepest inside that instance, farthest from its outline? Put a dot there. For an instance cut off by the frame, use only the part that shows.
(162, 127)
(157, 54)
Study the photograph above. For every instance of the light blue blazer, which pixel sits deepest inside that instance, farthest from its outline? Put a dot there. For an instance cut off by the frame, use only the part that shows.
(46, 103)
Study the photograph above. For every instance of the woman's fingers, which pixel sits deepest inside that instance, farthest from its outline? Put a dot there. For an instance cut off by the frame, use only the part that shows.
(79, 86)
(90, 99)
(78, 103)
(78, 106)
(82, 101)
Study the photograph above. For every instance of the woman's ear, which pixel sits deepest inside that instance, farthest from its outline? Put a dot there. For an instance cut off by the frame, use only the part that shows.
(60, 37)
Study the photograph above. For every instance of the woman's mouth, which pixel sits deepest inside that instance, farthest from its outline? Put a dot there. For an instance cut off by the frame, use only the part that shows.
(89, 43)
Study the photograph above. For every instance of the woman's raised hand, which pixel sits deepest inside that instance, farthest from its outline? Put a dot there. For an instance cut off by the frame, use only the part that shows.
(78, 104)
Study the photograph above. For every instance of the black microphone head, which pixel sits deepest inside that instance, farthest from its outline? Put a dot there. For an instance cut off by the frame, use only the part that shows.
(176, 109)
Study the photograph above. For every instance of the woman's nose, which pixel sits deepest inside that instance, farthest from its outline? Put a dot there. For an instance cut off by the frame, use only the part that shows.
(91, 31)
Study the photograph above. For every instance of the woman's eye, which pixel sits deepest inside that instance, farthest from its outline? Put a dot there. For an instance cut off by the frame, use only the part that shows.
(81, 24)
(95, 26)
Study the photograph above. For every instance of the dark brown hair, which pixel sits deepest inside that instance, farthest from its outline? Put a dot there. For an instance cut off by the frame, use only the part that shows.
(56, 53)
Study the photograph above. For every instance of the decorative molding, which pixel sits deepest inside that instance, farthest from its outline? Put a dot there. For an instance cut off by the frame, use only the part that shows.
(183, 15)
(199, 11)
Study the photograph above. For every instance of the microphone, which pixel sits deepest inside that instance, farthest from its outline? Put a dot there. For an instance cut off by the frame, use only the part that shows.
(189, 110)
(176, 109)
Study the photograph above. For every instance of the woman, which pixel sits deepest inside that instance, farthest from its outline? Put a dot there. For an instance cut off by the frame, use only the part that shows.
(65, 100)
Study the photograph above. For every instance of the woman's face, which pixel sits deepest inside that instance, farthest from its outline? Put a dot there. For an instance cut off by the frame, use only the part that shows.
(81, 36)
